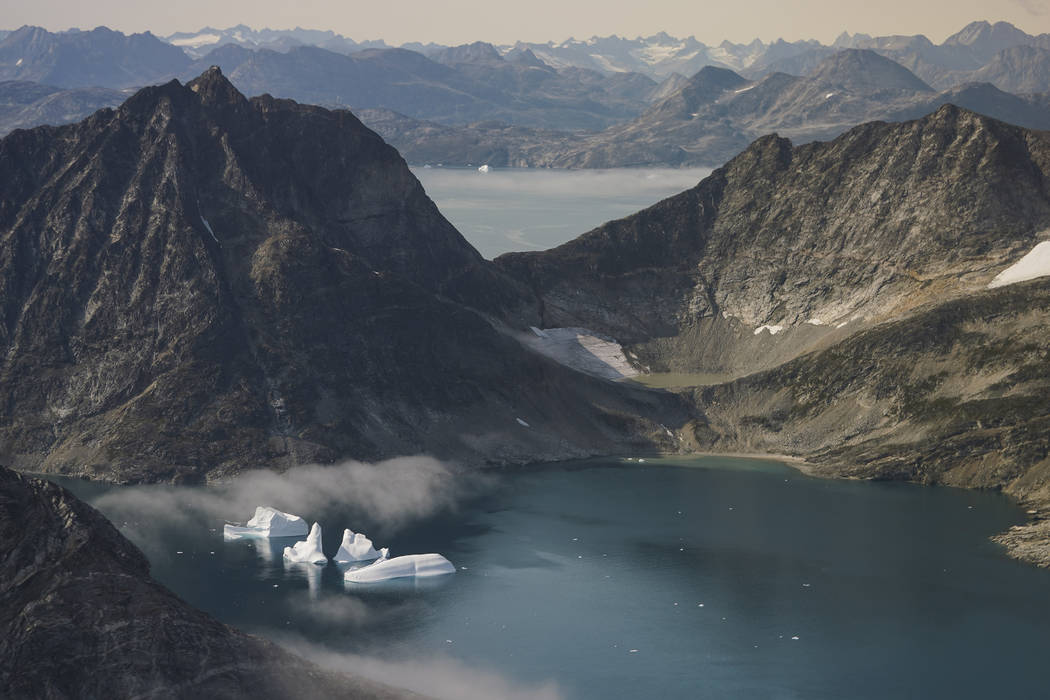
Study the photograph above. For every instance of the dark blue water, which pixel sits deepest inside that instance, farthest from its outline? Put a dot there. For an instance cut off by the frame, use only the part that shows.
(727, 578)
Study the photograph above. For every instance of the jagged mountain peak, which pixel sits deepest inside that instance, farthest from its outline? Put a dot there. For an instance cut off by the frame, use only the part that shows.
(214, 88)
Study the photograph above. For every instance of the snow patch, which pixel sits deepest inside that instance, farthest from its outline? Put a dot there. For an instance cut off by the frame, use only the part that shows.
(208, 226)
(19, 61)
(1033, 265)
(829, 96)
(267, 522)
(410, 565)
(583, 350)
(749, 87)
(197, 40)
(815, 322)
(605, 64)
(773, 330)
(309, 550)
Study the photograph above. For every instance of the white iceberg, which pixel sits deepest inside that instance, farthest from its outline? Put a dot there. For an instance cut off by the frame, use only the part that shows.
(410, 565)
(267, 522)
(309, 550)
(484, 169)
(355, 547)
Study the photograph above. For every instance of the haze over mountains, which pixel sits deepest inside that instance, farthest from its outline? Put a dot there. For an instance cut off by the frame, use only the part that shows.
(604, 102)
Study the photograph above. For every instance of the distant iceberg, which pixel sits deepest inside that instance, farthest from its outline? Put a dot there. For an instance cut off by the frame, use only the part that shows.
(410, 565)
(267, 522)
(308, 551)
(485, 169)
(355, 547)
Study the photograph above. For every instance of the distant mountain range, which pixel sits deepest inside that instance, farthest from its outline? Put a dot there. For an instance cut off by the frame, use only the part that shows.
(594, 103)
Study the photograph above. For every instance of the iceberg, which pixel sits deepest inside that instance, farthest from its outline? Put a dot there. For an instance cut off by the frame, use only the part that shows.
(309, 550)
(485, 169)
(410, 565)
(355, 547)
(267, 522)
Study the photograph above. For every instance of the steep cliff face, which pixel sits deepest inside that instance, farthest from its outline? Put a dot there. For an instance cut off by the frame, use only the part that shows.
(806, 241)
(198, 283)
(81, 617)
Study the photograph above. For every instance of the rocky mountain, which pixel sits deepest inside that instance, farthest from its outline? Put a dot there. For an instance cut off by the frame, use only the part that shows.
(464, 87)
(1019, 69)
(196, 283)
(25, 104)
(199, 43)
(98, 58)
(845, 287)
(714, 115)
(81, 617)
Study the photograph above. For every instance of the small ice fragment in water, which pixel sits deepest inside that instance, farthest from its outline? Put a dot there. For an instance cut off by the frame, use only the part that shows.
(794, 639)
(178, 552)
(633, 651)
(523, 423)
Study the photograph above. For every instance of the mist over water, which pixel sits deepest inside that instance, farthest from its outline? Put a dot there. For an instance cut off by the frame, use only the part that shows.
(521, 209)
(695, 578)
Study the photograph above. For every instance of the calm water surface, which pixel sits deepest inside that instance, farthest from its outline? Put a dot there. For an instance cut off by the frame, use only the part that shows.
(703, 578)
(515, 209)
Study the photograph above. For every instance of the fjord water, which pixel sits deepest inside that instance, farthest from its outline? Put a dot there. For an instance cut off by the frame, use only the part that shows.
(521, 209)
(699, 578)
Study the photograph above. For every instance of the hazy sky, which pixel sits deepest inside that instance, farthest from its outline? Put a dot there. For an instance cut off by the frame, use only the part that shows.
(459, 21)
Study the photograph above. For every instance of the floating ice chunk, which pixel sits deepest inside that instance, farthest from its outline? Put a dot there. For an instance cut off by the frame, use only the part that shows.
(417, 565)
(19, 61)
(1035, 264)
(355, 547)
(485, 169)
(523, 423)
(773, 330)
(308, 551)
(267, 522)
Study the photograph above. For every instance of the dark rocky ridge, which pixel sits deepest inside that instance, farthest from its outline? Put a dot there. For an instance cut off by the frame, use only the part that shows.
(197, 283)
(80, 617)
(873, 254)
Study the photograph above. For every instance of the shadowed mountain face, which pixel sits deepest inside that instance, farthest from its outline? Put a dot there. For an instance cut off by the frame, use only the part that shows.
(197, 283)
(80, 617)
(99, 58)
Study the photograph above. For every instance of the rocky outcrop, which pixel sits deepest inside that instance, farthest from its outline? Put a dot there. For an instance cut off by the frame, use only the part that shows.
(198, 283)
(80, 617)
(842, 287)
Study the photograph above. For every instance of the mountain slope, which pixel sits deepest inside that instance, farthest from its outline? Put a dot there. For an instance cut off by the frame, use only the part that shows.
(98, 58)
(81, 617)
(25, 104)
(197, 283)
(1018, 69)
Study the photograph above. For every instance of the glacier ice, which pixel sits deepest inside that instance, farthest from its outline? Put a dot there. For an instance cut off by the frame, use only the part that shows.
(267, 522)
(410, 565)
(309, 550)
(355, 547)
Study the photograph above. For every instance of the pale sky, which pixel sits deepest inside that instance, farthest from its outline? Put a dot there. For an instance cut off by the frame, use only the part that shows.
(460, 21)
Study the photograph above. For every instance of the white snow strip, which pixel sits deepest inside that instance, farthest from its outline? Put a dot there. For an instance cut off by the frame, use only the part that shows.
(1035, 264)
(841, 324)
(19, 61)
(749, 87)
(208, 226)
(196, 41)
(605, 64)
(773, 330)
(815, 322)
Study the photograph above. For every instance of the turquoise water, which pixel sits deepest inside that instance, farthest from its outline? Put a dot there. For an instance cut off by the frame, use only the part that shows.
(709, 578)
(516, 209)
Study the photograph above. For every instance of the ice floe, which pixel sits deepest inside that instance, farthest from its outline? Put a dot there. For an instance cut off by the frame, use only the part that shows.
(267, 522)
(309, 550)
(485, 169)
(410, 565)
(355, 547)
(1035, 264)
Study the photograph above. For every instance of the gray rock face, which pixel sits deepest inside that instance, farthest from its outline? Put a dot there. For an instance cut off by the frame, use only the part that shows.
(98, 58)
(80, 617)
(845, 284)
(197, 283)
